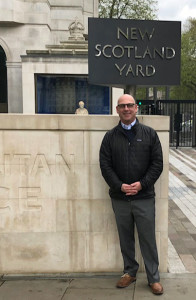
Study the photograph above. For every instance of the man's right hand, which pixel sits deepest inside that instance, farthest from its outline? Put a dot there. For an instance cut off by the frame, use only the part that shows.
(130, 189)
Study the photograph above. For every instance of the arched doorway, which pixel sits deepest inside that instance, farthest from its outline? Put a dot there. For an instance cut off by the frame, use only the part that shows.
(3, 82)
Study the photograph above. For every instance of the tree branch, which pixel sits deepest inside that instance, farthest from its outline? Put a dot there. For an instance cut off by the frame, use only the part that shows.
(112, 9)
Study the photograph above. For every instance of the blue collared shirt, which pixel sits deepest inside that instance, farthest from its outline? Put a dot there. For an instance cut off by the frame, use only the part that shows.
(128, 127)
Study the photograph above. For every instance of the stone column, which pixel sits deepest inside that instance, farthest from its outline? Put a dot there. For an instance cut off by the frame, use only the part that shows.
(14, 82)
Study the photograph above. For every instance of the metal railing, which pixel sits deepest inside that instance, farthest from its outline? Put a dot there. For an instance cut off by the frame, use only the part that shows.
(182, 119)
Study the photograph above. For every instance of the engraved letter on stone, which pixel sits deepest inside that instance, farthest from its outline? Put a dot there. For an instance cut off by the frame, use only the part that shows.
(29, 198)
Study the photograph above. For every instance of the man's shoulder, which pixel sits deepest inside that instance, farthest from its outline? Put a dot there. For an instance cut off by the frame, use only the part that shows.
(146, 127)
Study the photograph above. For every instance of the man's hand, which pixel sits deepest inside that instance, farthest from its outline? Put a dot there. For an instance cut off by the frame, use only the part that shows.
(131, 189)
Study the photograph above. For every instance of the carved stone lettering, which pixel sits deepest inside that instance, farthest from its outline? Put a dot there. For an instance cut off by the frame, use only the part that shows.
(40, 164)
(5, 166)
(4, 200)
(61, 164)
(29, 199)
(25, 164)
(22, 162)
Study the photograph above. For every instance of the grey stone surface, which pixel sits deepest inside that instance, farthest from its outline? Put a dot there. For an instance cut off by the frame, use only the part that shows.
(182, 210)
(176, 286)
(33, 289)
(99, 294)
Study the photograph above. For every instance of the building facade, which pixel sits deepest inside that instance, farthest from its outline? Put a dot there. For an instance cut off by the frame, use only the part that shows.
(44, 57)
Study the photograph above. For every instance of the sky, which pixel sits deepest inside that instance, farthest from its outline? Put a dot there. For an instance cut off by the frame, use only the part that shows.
(176, 10)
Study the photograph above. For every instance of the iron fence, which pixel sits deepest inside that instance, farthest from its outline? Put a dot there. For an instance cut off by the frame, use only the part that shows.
(182, 119)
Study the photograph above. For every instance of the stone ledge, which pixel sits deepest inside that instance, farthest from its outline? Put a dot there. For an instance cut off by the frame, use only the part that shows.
(73, 122)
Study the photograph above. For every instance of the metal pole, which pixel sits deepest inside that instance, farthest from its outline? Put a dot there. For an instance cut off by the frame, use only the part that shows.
(131, 90)
(178, 126)
(155, 93)
(167, 92)
(147, 93)
(155, 96)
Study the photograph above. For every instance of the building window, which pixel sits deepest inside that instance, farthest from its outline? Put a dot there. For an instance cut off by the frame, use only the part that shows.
(3, 81)
(60, 94)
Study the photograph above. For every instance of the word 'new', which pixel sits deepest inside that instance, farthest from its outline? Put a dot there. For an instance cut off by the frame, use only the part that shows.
(134, 33)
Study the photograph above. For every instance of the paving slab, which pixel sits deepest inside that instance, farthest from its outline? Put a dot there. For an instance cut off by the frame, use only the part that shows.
(176, 287)
(94, 283)
(33, 289)
(97, 289)
(99, 294)
(189, 262)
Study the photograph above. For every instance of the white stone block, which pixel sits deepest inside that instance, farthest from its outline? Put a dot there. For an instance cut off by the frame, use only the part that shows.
(55, 211)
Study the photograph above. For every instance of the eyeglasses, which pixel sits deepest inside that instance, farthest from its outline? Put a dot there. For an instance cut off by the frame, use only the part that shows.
(129, 105)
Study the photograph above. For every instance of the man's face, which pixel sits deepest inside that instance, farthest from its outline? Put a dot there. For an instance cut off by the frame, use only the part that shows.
(126, 109)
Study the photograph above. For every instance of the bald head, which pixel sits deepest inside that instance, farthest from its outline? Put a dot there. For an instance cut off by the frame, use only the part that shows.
(126, 97)
(126, 109)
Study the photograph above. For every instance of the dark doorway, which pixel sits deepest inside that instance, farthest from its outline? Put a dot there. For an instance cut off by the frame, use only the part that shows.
(3, 82)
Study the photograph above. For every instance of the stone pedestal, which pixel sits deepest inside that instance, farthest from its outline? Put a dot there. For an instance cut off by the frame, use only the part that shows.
(56, 215)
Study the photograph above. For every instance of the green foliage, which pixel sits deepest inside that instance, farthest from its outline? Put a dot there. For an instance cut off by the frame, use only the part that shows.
(187, 88)
(141, 93)
(128, 9)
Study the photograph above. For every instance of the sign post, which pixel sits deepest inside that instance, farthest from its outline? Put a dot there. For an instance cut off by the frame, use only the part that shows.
(130, 89)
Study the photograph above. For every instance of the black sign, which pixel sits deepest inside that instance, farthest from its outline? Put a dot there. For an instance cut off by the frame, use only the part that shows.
(134, 52)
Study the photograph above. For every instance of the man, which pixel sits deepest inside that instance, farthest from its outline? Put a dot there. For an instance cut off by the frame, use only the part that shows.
(131, 162)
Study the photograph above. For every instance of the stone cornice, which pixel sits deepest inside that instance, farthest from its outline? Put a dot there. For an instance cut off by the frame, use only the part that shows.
(73, 48)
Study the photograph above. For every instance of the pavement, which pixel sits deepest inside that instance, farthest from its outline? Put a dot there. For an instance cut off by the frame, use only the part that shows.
(182, 211)
(180, 281)
(176, 286)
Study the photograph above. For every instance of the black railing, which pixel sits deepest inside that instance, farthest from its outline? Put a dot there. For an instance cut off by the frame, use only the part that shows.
(182, 119)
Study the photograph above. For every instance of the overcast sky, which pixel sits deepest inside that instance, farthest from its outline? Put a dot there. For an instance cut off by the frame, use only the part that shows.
(176, 10)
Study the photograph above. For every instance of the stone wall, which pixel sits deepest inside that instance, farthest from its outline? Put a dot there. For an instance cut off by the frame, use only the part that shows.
(56, 215)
